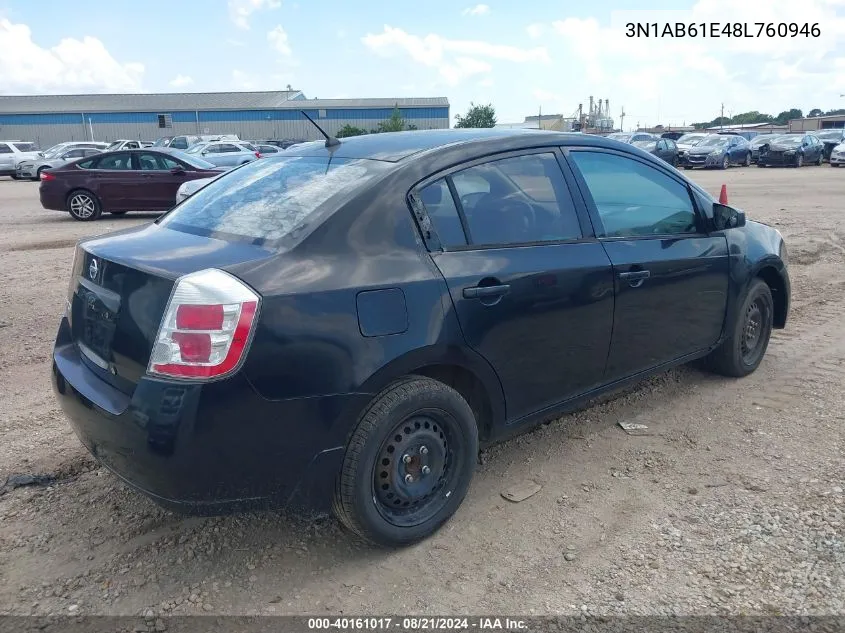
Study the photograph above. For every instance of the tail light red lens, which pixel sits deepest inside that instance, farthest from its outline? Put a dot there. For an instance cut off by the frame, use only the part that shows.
(206, 328)
(258, 154)
(47, 176)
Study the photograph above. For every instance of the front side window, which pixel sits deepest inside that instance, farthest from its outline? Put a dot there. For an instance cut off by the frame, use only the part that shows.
(74, 153)
(226, 148)
(634, 199)
(180, 142)
(271, 199)
(115, 161)
(517, 200)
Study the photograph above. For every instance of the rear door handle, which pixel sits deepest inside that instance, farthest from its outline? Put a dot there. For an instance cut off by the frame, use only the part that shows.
(477, 292)
(635, 275)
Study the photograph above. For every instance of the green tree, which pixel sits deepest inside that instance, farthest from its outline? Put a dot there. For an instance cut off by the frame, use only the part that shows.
(350, 130)
(477, 116)
(784, 117)
(814, 112)
(395, 123)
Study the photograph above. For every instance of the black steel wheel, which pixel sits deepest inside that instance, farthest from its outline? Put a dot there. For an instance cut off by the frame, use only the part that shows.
(408, 464)
(743, 350)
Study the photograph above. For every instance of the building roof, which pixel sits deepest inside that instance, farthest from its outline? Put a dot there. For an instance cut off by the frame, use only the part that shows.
(189, 101)
(824, 116)
(747, 126)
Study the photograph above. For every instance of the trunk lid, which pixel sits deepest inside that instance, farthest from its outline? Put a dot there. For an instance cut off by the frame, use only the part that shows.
(120, 288)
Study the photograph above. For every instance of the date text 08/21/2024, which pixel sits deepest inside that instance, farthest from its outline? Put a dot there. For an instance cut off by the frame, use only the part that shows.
(719, 29)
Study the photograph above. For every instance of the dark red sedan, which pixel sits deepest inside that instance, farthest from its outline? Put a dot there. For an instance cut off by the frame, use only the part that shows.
(117, 182)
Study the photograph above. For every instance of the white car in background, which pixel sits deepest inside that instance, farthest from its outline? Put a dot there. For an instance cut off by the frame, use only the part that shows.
(190, 187)
(837, 155)
(12, 153)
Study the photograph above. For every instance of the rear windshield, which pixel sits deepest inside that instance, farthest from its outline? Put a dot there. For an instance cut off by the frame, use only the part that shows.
(268, 199)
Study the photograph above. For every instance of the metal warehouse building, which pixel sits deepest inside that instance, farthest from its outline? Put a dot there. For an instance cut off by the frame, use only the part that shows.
(50, 119)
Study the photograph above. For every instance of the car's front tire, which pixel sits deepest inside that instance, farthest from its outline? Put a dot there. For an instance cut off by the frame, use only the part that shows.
(408, 464)
(799, 160)
(820, 160)
(726, 162)
(743, 349)
(748, 160)
(83, 205)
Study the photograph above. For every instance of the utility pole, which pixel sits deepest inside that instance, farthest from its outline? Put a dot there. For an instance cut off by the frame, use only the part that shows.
(540, 119)
(721, 118)
(622, 120)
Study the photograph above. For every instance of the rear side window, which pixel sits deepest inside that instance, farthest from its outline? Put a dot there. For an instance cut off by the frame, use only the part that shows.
(517, 200)
(5, 149)
(634, 199)
(26, 147)
(274, 198)
(441, 209)
(115, 161)
(180, 142)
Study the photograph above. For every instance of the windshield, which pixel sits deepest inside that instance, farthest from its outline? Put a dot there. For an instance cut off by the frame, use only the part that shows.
(690, 139)
(195, 149)
(788, 140)
(763, 138)
(834, 135)
(713, 141)
(193, 161)
(620, 137)
(114, 145)
(644, 144)
(269, 199)
(163, 141)
(26, 147)
(55, 151)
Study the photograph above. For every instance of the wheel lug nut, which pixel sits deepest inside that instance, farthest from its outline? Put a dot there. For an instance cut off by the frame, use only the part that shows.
(406, 459)
(426, 470)
(409, 479)
(423, 450)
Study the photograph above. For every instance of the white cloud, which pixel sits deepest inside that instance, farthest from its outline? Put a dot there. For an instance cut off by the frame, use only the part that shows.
(72, 65)
(242, 80)
(535, 31)
(479, 9)
(686, 79)
(180, 81)
(279, 40)
(454, 59)
(233, 42)
(240, 11)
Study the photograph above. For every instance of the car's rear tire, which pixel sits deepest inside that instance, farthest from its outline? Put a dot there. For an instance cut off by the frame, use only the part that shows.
(408, 464)
(743, 349)
(83, 205)
(820, 160)
(39, 173)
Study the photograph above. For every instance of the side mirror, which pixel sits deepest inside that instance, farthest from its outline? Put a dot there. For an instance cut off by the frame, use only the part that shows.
(205, 153)
(725, 217)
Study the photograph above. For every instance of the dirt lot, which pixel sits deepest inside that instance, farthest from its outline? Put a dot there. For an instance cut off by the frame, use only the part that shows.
(733, 503)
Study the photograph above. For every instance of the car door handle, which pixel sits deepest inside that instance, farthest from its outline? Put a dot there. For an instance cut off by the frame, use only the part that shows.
(635, 278)
(477, 292)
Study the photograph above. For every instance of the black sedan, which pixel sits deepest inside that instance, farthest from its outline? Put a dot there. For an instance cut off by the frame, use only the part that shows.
(757, 142)
(791, 150)
(346, 323)
(830, 138)
(664, 148)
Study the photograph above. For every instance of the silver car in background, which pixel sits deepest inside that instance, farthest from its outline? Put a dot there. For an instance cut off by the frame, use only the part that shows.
(33, 168)
(224, 153)
(13, 152)
(190, 187)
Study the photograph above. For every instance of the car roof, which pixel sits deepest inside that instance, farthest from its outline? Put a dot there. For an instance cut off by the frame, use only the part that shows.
(396, 146)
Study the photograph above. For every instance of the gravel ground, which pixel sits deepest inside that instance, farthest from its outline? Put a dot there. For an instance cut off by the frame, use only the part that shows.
(731, 504)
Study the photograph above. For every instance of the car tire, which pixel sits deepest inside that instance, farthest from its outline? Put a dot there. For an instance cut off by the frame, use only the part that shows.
(799, 161)
(39, 173)
(15, 177)
(759, 164)
(820, 160)
(726, 162)
(414, 429)
(745, 346)
(83, 205)
(748, 160)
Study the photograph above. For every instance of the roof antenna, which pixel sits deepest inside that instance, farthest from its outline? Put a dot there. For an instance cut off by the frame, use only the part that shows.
(331, 141)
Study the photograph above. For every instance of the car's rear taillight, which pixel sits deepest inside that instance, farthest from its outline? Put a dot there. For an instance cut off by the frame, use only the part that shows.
(258, 154)
(47, 176)
(206, 328)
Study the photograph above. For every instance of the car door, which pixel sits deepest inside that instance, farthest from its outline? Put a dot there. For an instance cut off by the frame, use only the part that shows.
(7, 158)
(114, 181)
(72, 155)
(671, 151)
(671, 276)
(160, 177)
(229, 154)
(530, 284)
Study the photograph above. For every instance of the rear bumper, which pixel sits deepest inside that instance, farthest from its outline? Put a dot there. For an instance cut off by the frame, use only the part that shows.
(207, 448)
(50, 198)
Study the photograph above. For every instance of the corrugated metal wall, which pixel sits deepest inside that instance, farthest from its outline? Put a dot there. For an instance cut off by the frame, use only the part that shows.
(48, 129)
